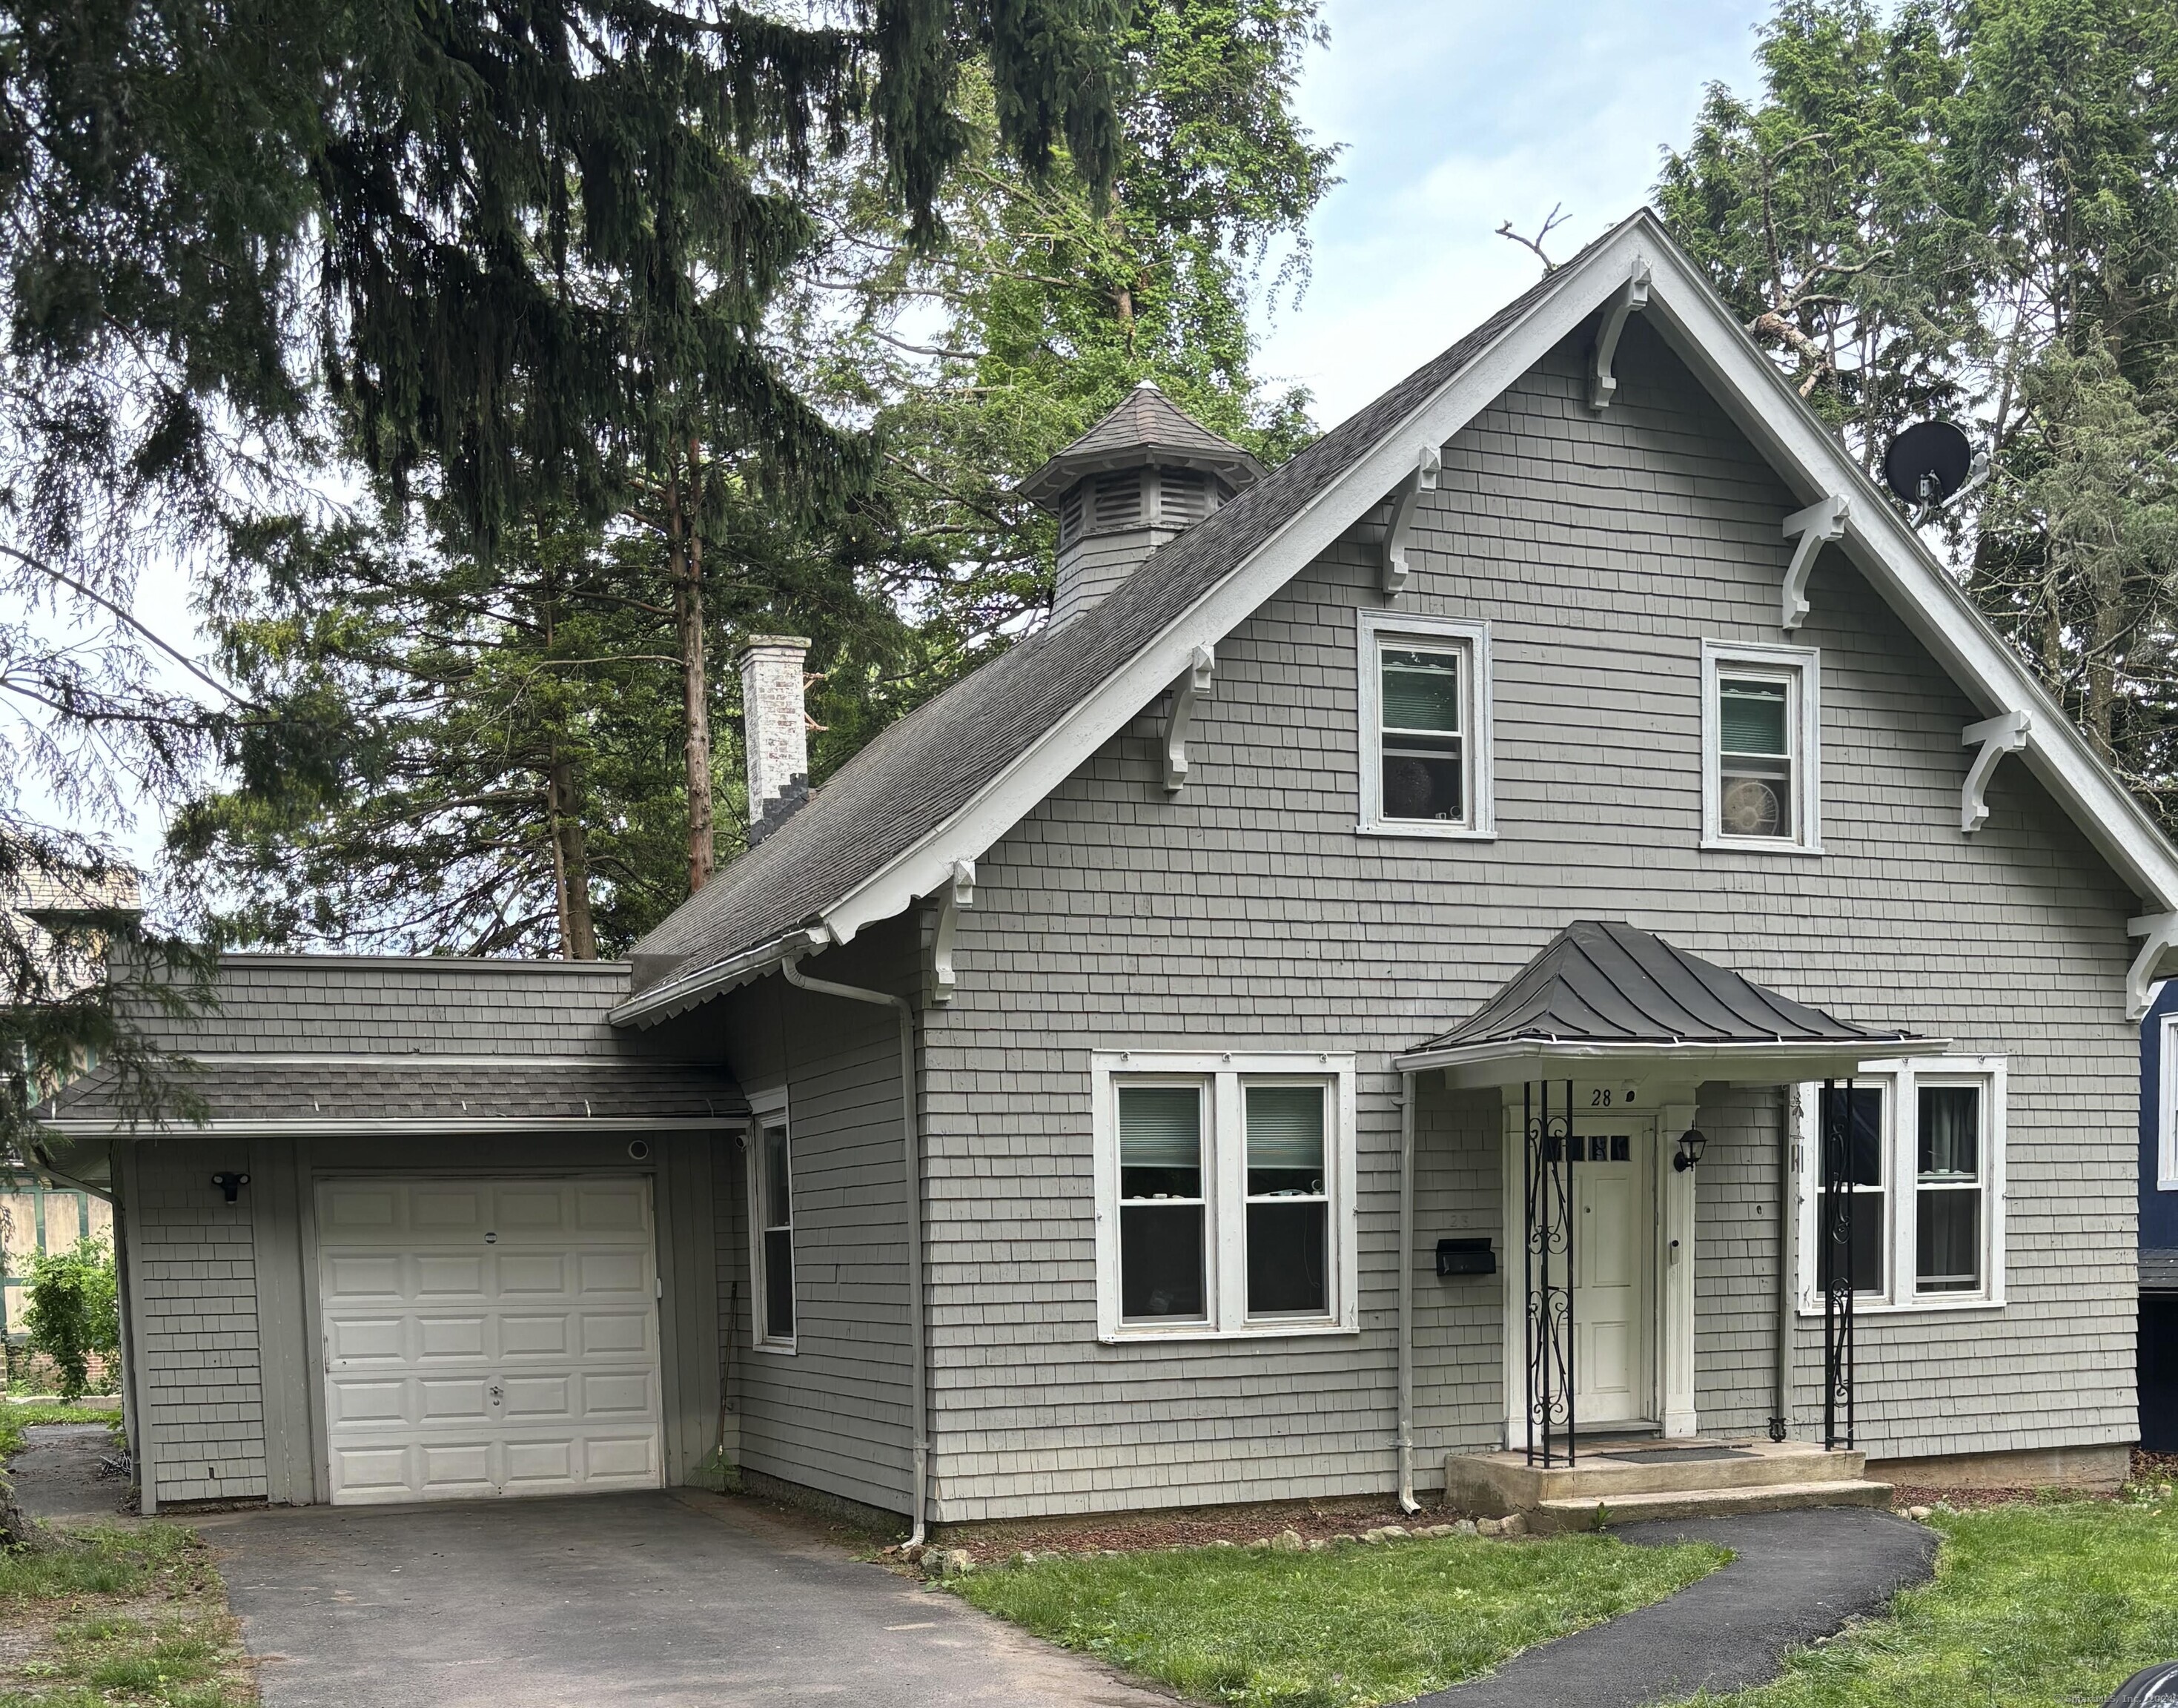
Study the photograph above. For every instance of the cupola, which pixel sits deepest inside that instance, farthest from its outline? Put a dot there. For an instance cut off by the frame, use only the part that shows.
(1126, 486)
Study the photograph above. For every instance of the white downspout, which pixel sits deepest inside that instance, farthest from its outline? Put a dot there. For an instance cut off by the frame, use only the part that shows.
(919, 1372)
(1407, 1501)
(1788, 1262)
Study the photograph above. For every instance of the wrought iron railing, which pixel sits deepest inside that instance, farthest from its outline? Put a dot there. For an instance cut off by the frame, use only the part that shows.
(1548, 1263)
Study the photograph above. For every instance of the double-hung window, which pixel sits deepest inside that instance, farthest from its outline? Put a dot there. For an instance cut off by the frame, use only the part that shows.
(771, 1220)
(1922, 1149)
(1761, 748)
(1425, 724)
(1224, 1197)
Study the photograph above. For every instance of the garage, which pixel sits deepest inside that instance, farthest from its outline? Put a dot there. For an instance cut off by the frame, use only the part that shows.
(488, 1337)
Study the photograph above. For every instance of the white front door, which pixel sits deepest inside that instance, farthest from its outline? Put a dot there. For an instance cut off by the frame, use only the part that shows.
(1614, 1252)
(489, 1337)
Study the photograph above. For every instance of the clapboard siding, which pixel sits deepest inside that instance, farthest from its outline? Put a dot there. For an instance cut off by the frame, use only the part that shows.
(834, 1414)
(1245, 911)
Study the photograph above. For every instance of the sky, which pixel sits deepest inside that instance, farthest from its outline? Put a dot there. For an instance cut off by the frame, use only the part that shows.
(1456, 117)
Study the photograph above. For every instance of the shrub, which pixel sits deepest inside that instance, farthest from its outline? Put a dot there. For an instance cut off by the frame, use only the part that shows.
(74, 1311)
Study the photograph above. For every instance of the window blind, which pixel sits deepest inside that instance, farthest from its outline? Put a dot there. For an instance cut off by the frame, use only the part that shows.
(1160, 1127)
(1751, 716)
(1285, 1127)
(1421, 691)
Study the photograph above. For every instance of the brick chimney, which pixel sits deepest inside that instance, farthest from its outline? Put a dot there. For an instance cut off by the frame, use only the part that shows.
(775, 730)
(1126, 486)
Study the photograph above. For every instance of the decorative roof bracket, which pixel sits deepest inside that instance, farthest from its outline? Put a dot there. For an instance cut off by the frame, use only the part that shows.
(1630, 299)
(1195, 685)
(2161, 931)
(1406, 503)
(1824, 519)
(2005, 733)
(958, 892)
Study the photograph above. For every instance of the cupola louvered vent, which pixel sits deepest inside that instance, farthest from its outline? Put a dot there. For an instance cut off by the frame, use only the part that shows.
(1069, 518)
(1183, 498)
(1118, 502)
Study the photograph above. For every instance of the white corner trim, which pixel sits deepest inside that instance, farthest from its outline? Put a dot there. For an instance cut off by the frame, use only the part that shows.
(1225, 1192)
(951, 899)
(1805, 664)
(2166, 1128)
(1371, 628)
(2005, 733)
(2161, 932)
(1195, 683)
(1823, 520)
(1629, 298)
(1406, 504)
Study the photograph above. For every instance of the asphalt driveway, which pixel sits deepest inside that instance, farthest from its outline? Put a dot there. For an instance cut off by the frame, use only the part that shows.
(669, 1601)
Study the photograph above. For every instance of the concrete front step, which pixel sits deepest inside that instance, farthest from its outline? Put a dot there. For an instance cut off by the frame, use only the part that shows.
(1555, 1516)
(1503, 1482)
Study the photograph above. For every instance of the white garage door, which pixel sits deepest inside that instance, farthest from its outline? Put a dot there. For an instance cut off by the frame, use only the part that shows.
(488, 1338)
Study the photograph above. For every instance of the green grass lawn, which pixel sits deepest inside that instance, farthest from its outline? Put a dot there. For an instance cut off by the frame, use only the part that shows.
(1349, 1627)
(2045, 1606)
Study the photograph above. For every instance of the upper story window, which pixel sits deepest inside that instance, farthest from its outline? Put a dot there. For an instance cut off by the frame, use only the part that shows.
(1425, 720)
(1224, 1195)
(1761, 748)
(1921, 1152)
(771, 1218)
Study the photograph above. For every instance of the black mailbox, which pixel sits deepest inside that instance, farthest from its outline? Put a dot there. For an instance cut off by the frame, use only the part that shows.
(1466, 1257)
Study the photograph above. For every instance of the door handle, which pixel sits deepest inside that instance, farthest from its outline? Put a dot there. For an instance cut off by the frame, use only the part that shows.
(495, 1392)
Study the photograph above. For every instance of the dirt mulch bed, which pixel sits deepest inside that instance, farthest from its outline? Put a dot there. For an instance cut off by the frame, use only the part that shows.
(1189, 1527)
(2149, 1470)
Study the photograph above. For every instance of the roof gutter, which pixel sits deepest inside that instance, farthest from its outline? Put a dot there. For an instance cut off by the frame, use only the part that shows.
(678, 995)
(1810, 1055)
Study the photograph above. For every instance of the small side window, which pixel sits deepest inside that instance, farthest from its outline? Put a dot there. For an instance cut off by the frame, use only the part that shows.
(771, 1197)
(1425, 706)
(1761, 749)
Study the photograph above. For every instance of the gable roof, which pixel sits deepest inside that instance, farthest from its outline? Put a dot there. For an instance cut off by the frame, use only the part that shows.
(1602, 983)
(1147, 427)
(944, 784)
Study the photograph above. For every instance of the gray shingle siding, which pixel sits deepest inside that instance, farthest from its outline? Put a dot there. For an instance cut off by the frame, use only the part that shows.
(193, 1259)
(1245, 910)
(834, 1414)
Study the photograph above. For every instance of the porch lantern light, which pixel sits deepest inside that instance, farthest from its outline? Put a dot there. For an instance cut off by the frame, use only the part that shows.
(1692, 1144)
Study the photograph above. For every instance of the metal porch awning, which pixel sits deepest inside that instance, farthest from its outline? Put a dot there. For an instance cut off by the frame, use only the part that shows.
(1604, 997)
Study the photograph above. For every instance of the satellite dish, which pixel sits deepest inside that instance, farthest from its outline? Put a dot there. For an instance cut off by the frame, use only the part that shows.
(1928, 462)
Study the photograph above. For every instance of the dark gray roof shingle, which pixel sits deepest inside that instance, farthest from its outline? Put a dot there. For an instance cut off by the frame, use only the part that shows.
(1147, 426)
(931, 764)
(2158, 1270)
(314, 1090)
(1599, 982)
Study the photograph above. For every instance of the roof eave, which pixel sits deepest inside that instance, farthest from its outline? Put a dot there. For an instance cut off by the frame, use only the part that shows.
(421, 1126)
(661, 1002)
(1765, 1062)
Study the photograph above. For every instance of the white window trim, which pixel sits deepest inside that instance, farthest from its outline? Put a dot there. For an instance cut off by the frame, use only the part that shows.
(1225, 1235)
(767, 1107)
(1807, 778)
(1376, 626)
(2166, 1147)
(1899, 1080)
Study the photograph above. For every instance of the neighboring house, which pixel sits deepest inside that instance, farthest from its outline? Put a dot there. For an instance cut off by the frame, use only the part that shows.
(1157, 1050)
(2158, 1222)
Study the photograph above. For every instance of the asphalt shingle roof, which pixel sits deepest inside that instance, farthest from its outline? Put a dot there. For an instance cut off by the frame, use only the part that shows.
(1599, 982)
(931, 764)
(2158, 1270)
(272, 1091)
(1146, 426)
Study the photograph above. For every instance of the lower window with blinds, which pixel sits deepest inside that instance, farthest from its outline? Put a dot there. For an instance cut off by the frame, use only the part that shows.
(1224, 1202)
